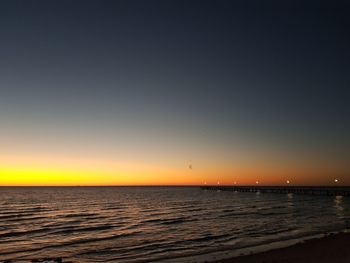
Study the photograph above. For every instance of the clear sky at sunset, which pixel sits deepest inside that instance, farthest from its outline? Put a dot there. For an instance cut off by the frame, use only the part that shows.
(133, 92)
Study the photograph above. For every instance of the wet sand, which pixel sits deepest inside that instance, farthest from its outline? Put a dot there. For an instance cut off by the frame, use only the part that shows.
(334, 248)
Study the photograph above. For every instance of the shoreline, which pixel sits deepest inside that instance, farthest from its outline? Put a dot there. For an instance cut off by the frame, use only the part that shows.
(230, 254)
(333, 247)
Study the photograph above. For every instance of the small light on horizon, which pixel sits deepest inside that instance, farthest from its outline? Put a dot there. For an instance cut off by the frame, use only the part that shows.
(257, 182)
(336, 180)
(235, 183)
(218, 182)
(288, 182)
(205, 182)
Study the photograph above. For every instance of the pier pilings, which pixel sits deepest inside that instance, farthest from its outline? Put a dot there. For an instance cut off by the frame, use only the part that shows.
(305, 190)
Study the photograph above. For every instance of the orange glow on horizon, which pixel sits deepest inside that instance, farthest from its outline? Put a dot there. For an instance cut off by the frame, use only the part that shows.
(45, 171)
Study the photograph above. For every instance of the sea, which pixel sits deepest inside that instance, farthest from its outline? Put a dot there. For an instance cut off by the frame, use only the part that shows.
(156, 224)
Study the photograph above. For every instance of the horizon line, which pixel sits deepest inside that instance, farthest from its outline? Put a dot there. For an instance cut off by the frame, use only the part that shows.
(192, 185)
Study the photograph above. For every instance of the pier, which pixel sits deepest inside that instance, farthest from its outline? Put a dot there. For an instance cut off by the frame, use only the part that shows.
(305, 190)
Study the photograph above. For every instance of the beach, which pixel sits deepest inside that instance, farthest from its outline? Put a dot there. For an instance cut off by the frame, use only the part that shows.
(333, 248)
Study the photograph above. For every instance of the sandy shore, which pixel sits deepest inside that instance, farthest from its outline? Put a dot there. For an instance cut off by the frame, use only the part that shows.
(333, 248)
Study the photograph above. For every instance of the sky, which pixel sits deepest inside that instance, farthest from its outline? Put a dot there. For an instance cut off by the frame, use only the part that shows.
(139, 92)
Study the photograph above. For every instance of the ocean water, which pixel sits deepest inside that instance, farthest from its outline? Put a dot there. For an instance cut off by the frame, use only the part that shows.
(154, 224)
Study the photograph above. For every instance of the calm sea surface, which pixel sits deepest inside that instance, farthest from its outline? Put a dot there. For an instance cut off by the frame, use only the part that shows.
(152, 224)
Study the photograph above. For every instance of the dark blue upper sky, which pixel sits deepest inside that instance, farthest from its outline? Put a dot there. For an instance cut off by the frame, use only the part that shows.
(222, 73)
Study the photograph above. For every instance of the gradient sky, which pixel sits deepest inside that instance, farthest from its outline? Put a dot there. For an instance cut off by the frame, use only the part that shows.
(132, 92)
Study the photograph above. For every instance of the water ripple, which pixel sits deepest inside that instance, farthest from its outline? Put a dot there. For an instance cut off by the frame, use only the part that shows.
(151, 224)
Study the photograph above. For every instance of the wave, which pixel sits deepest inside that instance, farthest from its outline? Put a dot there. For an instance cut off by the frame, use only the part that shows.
(79, 215)
(170, 221)
(68, 243)
(82, 229)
